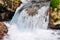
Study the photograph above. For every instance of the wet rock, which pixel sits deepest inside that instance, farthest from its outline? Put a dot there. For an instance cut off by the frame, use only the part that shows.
(31, 11)
(35, 5)
(3, 30)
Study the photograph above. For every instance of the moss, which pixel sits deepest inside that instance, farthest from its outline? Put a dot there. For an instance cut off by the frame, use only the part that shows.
(54, 3)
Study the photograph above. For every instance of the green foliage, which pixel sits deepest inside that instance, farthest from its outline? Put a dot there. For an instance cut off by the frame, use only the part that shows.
(54, 3)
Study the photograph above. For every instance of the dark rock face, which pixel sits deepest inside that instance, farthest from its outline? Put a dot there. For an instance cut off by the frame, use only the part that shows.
(7, 8)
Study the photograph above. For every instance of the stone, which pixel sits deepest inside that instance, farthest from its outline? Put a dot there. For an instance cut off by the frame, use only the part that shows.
(3, 30)
(8, 7)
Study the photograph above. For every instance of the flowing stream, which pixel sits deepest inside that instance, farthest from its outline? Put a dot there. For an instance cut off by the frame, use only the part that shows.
(27, 27)
(27, 22)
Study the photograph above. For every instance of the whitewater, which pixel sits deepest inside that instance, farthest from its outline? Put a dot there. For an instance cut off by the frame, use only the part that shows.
(25, 27)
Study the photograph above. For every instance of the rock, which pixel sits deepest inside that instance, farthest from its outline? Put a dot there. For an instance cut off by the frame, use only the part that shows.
(35, 5)
(11, 5)
(3, 30)
(8, 8)
(31, 11)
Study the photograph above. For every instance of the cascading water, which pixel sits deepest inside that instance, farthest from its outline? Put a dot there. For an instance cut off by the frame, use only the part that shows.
(38, 21)
(22, 22)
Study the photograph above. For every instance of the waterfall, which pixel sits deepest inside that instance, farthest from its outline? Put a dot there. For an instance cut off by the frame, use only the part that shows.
(26, 22)
(21, 24)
